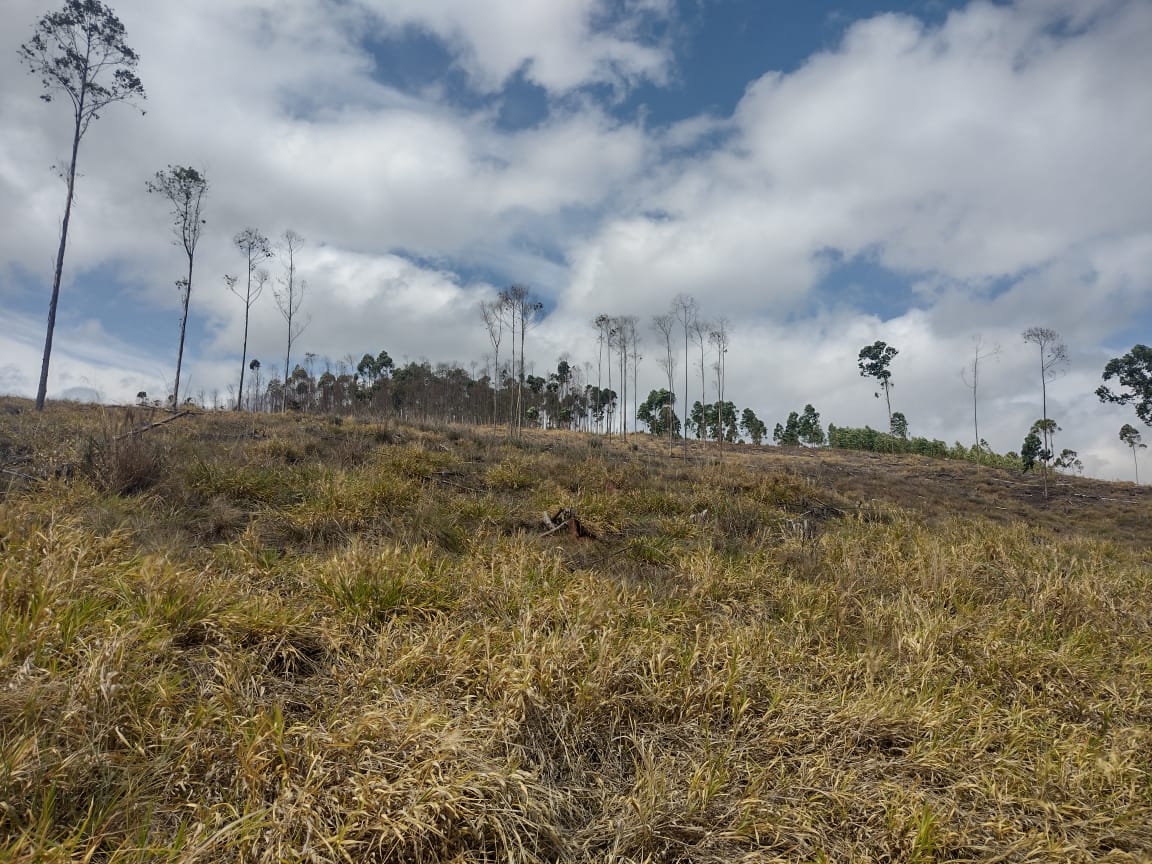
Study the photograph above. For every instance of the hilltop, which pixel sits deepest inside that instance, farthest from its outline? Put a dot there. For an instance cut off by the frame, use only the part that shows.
(298, 638)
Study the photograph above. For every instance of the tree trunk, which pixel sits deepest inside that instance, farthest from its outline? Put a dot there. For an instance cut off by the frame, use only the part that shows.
(42, 391)
(183, 327)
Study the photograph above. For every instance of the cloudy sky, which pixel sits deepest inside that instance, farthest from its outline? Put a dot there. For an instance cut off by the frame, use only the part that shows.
(822, 173)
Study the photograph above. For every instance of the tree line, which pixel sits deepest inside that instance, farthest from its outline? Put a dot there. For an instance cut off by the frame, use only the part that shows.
(80, 53)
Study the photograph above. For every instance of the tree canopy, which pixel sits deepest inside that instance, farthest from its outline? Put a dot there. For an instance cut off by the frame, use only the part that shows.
(1133, 371)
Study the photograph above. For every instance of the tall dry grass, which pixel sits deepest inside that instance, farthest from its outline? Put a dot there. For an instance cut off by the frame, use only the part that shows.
(379, 658)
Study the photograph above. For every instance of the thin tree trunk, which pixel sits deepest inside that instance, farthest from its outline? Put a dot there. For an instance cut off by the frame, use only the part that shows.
(183, 328)
(42, 392)
(243, 363)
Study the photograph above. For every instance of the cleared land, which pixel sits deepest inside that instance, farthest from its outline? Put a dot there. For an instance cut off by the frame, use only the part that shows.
(290, 639)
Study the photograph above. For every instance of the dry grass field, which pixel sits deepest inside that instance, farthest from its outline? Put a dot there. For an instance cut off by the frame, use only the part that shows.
(267, 639)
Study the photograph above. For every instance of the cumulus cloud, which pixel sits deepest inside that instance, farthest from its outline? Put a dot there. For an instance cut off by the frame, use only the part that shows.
(995, 163)
(560, 45)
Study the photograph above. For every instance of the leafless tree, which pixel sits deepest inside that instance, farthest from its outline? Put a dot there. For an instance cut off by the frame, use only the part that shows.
(719, 336)
(686, 311)
(493, 315)
(971, 376)
(663, 325)
(290, 297)
(1053, 363)
(524, 310)
(255, 248)
(700, 330)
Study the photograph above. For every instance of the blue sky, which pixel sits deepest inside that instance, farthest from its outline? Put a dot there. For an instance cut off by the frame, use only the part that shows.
(821, 174)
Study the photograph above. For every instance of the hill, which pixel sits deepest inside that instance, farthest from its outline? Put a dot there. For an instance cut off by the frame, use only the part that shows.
(258, 638)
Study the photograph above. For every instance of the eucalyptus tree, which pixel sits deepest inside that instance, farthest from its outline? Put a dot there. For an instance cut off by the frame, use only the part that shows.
(719, 336)
(524, 309)
(686, 311)
(1053, 361)
(700, 330)
(1133, 371)
(971, 376)
(873, 361)
(1130, 435)
(663, 325)
(79, 52)
(493, 314)
(184, 188)
(290, 297)
(256, 249)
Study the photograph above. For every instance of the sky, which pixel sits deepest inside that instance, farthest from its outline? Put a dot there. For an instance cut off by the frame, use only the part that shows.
(822, 174)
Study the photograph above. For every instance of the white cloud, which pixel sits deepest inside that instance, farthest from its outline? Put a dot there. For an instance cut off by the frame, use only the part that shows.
(557, 44)
(999, 160)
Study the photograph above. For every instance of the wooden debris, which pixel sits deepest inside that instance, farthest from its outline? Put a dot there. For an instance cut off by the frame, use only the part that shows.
(566, 518)
(148, 426)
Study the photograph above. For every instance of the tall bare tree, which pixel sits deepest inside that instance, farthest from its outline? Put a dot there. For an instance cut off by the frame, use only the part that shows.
(493, 316)
(634, 357)
(1053, 362)
(664, 325)
(603, 325)
(185, 189)
(686, 312)
(971, 376)
(524, 310)
(255, 248)
(290, 297)
(80, 52)
(719, 336)
(700, 330)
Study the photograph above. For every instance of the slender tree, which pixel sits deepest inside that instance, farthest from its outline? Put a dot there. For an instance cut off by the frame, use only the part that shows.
(663, 325)
(700, 330)
(685, 310)
(78, 51)
(185, 189)
(525, 310)
(255, 248)
(492, 314)
(290, 297)
(873, 362)
(971, 376)
(1053, 361)
(254, 367)
(1130, 435)
(719, 335)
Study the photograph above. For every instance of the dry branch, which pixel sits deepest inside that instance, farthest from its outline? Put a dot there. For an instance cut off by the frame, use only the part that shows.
(148, 426)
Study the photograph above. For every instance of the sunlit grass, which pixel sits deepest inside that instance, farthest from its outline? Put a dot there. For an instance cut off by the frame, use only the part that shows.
(315, 644)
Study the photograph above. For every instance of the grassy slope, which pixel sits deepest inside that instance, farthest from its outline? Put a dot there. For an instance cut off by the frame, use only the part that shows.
(280, 639)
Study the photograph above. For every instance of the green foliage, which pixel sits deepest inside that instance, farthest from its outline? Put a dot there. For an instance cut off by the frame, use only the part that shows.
(1032, 450)
(788, 434)
(1134, 372)
(800, 429)
(1069, 460)
(898, 425)
(1130, 435)
(874, 360)
(874, 441)
(753, 426)
(659, 413)
(81, 52)
(809, 427)
(712, 417)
